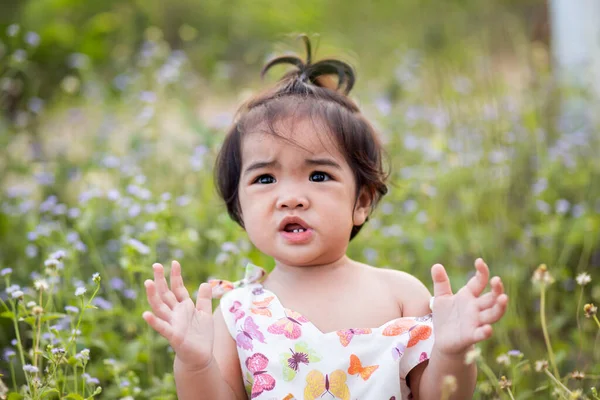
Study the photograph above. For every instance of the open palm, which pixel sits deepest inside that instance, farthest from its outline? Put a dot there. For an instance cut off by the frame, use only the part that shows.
(463, 319)
(187, 326)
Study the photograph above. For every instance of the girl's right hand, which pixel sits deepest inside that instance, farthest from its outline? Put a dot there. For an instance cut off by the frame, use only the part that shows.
(187, 326)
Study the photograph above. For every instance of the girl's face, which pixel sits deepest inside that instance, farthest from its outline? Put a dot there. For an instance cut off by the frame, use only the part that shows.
(297, 197)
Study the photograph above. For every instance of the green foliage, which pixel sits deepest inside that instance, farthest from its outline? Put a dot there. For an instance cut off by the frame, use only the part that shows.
(98, 183)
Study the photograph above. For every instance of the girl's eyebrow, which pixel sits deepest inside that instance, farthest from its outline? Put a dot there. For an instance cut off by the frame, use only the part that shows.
(261, 164)
(322, 161)
(309, 161)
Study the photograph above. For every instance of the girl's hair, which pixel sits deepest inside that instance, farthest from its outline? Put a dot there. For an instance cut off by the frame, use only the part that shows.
(306, 92)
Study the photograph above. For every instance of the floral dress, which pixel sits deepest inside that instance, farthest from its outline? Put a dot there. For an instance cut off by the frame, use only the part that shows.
(284, 357)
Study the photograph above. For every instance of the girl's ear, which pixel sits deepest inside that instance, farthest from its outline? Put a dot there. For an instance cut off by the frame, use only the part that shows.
(362, 207)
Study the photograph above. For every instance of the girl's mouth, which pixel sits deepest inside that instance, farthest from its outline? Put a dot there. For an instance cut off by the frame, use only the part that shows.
(297, 235)
(295, 230)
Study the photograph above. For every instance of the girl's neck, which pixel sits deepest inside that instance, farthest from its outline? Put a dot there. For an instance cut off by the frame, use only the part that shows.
(284, 274)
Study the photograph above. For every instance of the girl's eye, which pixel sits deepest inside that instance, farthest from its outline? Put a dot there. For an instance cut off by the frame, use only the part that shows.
(265, 179)
(319, 176)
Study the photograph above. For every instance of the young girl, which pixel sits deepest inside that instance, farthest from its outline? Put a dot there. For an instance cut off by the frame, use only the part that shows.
(300, 171)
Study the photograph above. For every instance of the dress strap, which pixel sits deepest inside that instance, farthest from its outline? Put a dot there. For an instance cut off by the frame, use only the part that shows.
(254, 274)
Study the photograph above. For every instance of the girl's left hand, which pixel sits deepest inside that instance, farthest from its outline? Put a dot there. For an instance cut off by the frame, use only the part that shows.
(460, 320)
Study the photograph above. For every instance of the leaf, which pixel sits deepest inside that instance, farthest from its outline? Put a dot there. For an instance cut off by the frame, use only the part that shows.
(8, 314)
(45, 318)
(50, 391)
(14, 396)
(74, 396)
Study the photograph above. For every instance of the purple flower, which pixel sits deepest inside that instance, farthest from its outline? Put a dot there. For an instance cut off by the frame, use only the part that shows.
(515, 353)
(72, 309)
(117, 283)
(102, 303)
(91, 380)
(9, 354)
(32, 39)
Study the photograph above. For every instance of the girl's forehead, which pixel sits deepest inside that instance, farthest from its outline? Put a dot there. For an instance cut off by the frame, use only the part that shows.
(304, 137)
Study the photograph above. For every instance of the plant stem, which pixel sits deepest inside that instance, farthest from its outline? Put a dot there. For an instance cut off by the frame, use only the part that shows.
(36, 341)
(83, 382)
(12, 375)
(75, 377)
(83, 308)
(555, 379)
(510, 393)
(15, 307)
(597, 322)
(579, 309)
(545, 329)
(490, 375)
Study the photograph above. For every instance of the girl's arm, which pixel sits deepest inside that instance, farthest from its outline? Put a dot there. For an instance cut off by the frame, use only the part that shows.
(459, 321)
(206, 362)
(221, 379)
(438, 367)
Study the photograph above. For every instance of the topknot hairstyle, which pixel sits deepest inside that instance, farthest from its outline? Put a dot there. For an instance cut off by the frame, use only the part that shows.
(309, 91)
(308, 72)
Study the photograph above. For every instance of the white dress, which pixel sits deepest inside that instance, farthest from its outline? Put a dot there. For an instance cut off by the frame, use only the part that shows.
(284, 356)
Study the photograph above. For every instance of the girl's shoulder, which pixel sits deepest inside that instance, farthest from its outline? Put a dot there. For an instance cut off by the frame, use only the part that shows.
(412, 295)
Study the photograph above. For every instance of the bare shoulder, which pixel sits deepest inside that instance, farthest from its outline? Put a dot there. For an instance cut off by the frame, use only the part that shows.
(412, 295)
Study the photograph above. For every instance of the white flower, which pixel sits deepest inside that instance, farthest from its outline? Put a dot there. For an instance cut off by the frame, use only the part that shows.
(17, 294)
(583, 279)
(12, 288)
(541, 365)
(58, 255)
(13, 30)
(41, 284)
(503, 359)
(472, 355)
(84, 355)
(96, 277)
(51, 262)
(80, 291)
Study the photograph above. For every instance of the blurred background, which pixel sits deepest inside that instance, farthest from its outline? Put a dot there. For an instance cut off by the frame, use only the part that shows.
(111, 114)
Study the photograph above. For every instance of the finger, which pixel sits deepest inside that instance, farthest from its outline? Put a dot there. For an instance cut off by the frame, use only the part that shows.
(158, 306)
(441, 282)
(477, 283)
(162, 287)
(177, 285)
(160, 326)
(204, 298)
(482, 333)
(493, 314)
(487, 300)
(497, 286)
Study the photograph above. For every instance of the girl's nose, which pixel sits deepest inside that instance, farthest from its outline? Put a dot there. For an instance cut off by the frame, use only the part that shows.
(291, 202)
